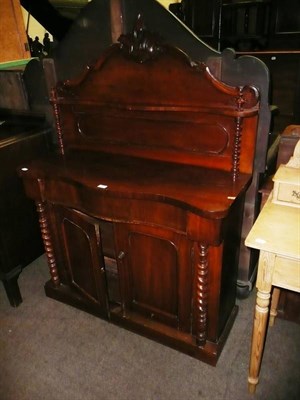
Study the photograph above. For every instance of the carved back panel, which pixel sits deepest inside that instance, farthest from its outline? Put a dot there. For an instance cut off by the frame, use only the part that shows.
(147, 99)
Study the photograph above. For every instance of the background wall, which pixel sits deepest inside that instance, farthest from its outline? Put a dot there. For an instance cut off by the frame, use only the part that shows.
(166, 3)
(33, 26)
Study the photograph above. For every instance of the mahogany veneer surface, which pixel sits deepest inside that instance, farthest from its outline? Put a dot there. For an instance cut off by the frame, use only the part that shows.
(203, 190)
(141, 211)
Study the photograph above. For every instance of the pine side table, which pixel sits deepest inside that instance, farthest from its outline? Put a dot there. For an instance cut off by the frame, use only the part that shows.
(276, 233)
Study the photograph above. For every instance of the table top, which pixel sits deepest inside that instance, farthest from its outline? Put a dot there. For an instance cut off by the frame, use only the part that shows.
(276, 230)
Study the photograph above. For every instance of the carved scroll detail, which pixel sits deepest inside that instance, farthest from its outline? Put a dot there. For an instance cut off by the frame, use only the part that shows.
(47, 242)
(57, 122)
(141, 45)
(201, 252)
(237, 149)
(240, 99)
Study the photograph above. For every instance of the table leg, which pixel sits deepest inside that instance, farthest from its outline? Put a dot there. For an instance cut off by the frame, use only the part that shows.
(264, 285)
(258, 337)
(274, 305)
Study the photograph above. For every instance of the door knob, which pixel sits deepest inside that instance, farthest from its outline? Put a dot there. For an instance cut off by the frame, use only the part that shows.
(121, 255)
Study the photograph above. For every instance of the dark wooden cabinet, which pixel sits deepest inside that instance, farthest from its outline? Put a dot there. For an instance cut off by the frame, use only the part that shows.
(20, 238)
(245, 25)
(284, 67)
(169, 275)
(284, 33)
(141, 209)
(203, 17)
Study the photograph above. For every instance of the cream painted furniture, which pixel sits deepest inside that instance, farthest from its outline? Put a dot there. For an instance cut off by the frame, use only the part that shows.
(276, 233)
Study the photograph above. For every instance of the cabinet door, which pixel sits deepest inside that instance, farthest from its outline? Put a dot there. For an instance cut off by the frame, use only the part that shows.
(80, 242)
(155, 274)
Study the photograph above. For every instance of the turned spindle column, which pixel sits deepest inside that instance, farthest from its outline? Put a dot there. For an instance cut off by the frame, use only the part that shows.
(201, 303)
(47, 242)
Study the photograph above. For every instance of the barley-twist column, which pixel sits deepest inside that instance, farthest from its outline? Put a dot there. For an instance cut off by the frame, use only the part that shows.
(47, 242)
(237, 149)
(57, 122)
(201, 270)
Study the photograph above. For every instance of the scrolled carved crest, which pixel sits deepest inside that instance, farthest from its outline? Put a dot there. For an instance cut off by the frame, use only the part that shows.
(141, 45)
(248, 97)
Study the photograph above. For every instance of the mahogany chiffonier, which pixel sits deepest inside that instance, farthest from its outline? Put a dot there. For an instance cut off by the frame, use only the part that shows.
(141, 208)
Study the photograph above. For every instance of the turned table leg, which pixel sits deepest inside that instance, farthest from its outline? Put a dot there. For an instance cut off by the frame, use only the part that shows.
(264, 285)
(258, 338)
(274, 305)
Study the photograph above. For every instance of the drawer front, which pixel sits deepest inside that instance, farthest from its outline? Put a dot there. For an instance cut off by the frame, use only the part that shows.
(114, 208)
(288, 194)
(287, 273)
